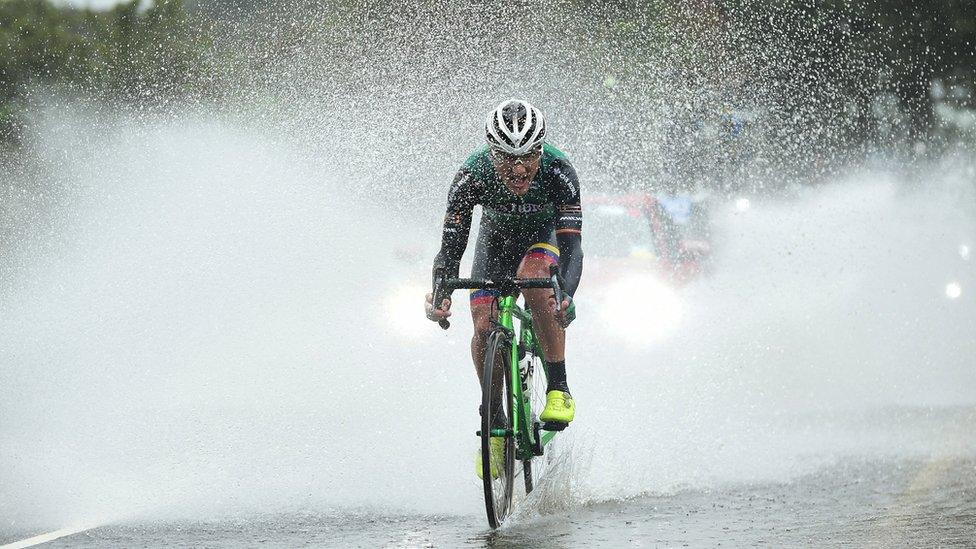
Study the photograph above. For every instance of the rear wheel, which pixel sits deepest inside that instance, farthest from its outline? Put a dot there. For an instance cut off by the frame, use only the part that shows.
(535, 394)
(498, 491)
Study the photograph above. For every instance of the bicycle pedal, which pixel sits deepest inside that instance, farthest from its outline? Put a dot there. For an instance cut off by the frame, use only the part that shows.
(537, 436)
(554, 426)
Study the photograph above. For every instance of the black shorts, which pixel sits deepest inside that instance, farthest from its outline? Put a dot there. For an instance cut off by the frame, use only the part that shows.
(498, 254)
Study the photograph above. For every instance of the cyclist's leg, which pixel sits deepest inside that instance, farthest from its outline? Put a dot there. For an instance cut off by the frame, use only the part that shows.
(535, 264)
(483, 311)
(493, 258)
(560, 408)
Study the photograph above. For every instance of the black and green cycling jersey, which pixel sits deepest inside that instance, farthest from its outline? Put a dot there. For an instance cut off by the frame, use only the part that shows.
(548, 212)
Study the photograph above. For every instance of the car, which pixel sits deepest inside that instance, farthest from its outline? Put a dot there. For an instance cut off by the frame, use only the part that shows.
(666, 234)
(640, 250)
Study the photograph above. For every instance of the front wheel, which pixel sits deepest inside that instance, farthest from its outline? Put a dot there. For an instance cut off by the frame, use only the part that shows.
(498, 490)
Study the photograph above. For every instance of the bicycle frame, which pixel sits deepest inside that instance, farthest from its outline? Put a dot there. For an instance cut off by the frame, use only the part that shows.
(529, 441)
(522, 428)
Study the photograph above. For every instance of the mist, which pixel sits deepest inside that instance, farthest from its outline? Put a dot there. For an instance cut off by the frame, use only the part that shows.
(207, 308)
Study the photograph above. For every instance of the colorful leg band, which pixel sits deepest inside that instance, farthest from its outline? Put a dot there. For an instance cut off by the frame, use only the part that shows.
(482, 297)
(543, 251)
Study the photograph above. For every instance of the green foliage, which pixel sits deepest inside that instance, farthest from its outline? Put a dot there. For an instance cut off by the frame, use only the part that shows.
(867, 47)
(925, 40)
(832, 57)
(125, 52)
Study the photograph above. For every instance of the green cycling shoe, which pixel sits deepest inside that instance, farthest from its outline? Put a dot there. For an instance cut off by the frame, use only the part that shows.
(497, 457)
(559, 411)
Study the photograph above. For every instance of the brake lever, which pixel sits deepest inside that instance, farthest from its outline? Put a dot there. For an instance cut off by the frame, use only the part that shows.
(557, 284)
(438, 298)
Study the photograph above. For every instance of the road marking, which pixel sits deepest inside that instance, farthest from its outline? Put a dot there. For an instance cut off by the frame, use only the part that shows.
(44, 538)
(887, 531)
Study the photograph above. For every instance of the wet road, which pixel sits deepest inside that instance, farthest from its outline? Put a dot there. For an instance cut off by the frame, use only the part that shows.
(882, 503)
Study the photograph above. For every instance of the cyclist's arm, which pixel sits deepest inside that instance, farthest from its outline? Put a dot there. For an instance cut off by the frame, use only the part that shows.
(457, 224)
(569, 225)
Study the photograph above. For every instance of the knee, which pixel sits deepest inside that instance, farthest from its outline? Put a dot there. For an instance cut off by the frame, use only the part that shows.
(536, 297)
(537, 259)
(534, 268)
(482, 324)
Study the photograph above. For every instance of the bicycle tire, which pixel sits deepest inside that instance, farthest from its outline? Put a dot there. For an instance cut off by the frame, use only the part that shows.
(498, 492)
(535, 394)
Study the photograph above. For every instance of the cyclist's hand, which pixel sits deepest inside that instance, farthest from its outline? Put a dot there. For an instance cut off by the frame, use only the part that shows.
(567, 313)
(439, 313)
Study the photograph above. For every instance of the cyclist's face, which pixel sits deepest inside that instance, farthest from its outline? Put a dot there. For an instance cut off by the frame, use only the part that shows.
(517, 171)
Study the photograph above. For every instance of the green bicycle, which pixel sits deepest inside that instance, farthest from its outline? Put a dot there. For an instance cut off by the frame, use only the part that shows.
(516, 355)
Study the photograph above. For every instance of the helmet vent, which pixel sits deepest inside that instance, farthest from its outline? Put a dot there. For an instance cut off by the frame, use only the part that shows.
(515, 127)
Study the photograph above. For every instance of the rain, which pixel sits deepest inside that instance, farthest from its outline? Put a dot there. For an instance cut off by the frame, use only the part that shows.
(217, 226)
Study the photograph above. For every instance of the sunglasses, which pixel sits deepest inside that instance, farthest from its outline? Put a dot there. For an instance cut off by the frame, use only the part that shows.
(503, 156)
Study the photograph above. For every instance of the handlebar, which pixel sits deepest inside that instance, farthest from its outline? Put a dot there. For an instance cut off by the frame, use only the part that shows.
(443, 287)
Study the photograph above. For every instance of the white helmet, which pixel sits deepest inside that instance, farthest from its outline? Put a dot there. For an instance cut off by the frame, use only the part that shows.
(515, 127)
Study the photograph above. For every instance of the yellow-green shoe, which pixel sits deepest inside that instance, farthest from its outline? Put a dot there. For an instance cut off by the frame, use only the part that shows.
(497, 457)
(559, 411)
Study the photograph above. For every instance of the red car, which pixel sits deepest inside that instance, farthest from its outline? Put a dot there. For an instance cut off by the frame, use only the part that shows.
(639, 231)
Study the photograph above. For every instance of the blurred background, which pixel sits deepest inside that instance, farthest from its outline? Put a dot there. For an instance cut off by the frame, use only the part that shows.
(216, 227)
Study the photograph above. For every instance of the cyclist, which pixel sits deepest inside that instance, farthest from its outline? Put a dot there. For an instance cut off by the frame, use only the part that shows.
(531, 219)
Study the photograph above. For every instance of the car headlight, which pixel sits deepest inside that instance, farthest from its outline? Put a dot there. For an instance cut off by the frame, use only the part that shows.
(641, 310)
(953, 290)
(403, 308)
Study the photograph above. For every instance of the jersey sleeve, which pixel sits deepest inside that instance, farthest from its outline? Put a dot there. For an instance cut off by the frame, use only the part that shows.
(569, 224)
(461, 200)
